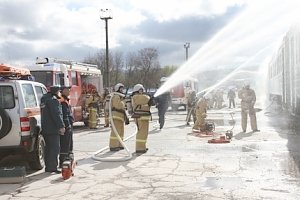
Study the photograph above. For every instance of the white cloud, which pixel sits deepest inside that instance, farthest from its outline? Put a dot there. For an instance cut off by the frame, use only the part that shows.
(49, 23)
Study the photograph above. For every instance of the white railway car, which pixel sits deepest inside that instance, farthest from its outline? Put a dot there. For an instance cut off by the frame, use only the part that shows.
(284, 72)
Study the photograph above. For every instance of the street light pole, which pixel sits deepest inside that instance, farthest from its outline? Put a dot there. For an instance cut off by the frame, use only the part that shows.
(186, 46)
(106, 15)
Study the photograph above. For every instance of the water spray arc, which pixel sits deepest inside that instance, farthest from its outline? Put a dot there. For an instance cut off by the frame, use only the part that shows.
(234, 72)
(252, 30)
(129, 154)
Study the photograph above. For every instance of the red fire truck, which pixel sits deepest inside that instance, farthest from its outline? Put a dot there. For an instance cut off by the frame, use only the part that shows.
(83, 78)
(180, 91)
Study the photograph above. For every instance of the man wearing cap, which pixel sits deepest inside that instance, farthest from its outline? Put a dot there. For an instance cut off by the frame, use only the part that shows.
(66, 140)
(52, 126)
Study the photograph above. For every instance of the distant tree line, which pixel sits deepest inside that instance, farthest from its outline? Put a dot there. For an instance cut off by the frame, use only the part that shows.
(136, 67)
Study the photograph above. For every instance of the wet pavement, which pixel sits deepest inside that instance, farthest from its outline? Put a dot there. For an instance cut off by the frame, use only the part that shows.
(178, 165)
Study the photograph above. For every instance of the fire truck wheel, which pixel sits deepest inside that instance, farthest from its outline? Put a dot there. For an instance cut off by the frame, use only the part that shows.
(5, 123)
(37, 160)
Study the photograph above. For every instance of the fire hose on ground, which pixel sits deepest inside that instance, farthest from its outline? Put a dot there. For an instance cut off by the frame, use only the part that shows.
(129, 154)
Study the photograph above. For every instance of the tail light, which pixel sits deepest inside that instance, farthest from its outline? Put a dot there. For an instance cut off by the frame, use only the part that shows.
(25, 125)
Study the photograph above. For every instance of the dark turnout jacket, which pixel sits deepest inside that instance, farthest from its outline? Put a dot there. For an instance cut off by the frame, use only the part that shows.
(163, 100)
(51, 115)
(67, 112)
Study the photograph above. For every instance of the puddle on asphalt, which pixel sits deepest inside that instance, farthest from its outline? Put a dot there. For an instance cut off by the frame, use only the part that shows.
(250, 148)
(223, 182)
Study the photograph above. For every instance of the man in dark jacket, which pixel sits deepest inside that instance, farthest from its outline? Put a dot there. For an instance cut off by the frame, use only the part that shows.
(52, 126)
(162, 104)
(66, 140)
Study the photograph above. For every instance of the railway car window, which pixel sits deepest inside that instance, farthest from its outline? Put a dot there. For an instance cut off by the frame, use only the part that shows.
(29, 97)
(74, 78)
(7, 97)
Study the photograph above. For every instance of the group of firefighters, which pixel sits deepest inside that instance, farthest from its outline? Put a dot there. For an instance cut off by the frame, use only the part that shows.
(140, 105)
(197, 108)
(140, 110)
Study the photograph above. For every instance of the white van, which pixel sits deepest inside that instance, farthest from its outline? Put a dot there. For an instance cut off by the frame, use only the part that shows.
(20, 121)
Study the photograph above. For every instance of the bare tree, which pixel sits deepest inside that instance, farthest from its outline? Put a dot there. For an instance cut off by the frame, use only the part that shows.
(148, 65)
(117, 66)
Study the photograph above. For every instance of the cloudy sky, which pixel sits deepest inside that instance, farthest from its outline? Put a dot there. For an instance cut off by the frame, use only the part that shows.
(72, 29)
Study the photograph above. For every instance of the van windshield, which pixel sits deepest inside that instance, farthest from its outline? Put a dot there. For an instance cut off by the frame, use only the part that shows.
(6, 97)
(45, 77)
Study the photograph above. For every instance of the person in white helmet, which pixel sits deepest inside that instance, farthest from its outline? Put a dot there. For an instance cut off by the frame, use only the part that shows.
(142, 115)
(248, 99)
(118, 117)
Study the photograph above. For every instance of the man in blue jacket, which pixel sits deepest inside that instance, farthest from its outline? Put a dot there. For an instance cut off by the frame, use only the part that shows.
(162, 104)
(52, 126)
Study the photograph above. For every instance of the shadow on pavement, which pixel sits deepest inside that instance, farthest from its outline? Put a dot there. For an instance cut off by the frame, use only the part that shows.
(288, 127)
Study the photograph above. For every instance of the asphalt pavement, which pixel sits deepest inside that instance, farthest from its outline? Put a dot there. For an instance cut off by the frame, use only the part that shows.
(178, 164)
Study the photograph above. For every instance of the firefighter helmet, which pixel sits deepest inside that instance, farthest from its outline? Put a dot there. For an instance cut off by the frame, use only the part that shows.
(137, 87)
(118, 86)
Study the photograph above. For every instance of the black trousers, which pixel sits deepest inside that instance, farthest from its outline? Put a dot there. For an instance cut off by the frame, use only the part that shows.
(161, 115)
(231, 101)
(51, 152)
(66, 145)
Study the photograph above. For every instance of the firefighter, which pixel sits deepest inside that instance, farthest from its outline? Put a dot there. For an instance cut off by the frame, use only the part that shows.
(219, 99)
(92, 105)
(248, 99)
(201, 109)
(66, 140)
(191, 101)
(119, 117)
(142, 115)
(105, 98)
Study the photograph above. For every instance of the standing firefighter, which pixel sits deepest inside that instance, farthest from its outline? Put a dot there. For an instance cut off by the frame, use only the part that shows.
(142, 115)
(201, 109)
(191, 101)
(92, 105)
(118, 116)
(248, 99)
(105, 99)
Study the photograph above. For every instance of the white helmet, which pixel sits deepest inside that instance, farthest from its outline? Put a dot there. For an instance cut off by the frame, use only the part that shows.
(137, 87)
(117, 86)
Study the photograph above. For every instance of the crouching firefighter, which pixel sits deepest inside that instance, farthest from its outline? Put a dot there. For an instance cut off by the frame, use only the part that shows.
(66, 140)
(119, 117)
(142, 115)
(201, 109)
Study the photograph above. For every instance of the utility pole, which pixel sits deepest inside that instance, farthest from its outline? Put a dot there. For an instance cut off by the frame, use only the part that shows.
(186, 46)
(106, 15)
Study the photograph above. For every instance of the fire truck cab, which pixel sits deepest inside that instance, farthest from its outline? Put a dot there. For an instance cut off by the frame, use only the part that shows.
(84, 79)
(179, 93)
